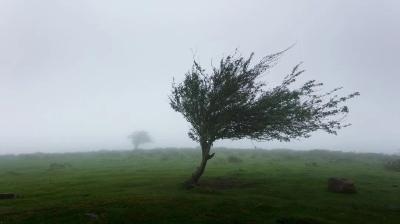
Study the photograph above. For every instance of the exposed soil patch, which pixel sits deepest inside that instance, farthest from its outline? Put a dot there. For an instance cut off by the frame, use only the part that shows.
(223, 183)
(4, 196)
(294, 220)
(341, 185)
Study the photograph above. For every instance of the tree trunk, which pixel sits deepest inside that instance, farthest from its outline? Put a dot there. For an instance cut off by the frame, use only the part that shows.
(194, 179)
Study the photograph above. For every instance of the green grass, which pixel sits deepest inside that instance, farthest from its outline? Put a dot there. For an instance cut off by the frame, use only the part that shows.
(144, 187)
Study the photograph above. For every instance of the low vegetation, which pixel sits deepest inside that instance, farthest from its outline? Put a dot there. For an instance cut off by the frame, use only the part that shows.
(234, 159)
(393, 164)
(143, 186)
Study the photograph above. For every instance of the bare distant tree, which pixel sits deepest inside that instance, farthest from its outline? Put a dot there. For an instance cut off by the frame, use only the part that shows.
(232, 102)
(139, 137)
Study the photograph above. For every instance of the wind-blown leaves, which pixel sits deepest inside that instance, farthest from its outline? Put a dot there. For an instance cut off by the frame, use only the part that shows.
(231, 103)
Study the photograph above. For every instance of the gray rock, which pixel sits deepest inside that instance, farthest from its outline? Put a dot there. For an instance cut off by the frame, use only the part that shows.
(92, 215)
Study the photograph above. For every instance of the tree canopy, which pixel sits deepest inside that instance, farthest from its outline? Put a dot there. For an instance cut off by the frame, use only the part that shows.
(139, 137)
(233, 102)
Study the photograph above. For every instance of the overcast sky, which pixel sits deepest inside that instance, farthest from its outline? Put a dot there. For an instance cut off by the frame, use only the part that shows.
(80, 75)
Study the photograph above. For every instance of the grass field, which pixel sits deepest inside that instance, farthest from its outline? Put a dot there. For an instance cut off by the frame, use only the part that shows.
(239, 186)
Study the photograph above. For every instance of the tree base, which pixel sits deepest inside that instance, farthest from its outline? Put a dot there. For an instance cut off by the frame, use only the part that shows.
(189, 184)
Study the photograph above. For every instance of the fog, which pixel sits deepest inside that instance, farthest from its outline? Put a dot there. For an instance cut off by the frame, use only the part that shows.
(82, 75)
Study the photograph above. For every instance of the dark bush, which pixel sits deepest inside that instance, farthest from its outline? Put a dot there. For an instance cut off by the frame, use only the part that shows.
(59, 166)
(393, 165)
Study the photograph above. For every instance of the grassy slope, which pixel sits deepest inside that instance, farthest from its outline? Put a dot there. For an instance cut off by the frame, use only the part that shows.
(143, 187)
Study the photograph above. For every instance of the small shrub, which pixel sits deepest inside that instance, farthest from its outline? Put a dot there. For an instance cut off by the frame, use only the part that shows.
(59, 166)
(393, 165)
(234, 159)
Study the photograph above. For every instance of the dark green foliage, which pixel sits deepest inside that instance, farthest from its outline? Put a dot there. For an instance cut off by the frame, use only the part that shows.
(393, 165)
(232, 102)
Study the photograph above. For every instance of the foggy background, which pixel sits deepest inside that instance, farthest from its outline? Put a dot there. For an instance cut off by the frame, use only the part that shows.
(81, 75)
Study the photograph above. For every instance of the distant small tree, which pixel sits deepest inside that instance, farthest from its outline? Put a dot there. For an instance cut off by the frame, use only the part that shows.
(232, 103)
(139, 137)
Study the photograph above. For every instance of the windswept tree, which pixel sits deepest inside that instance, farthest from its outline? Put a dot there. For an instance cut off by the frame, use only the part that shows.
(139, 137)
(232, 102)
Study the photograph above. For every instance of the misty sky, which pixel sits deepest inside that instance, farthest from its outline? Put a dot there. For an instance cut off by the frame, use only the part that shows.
(80, 75)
